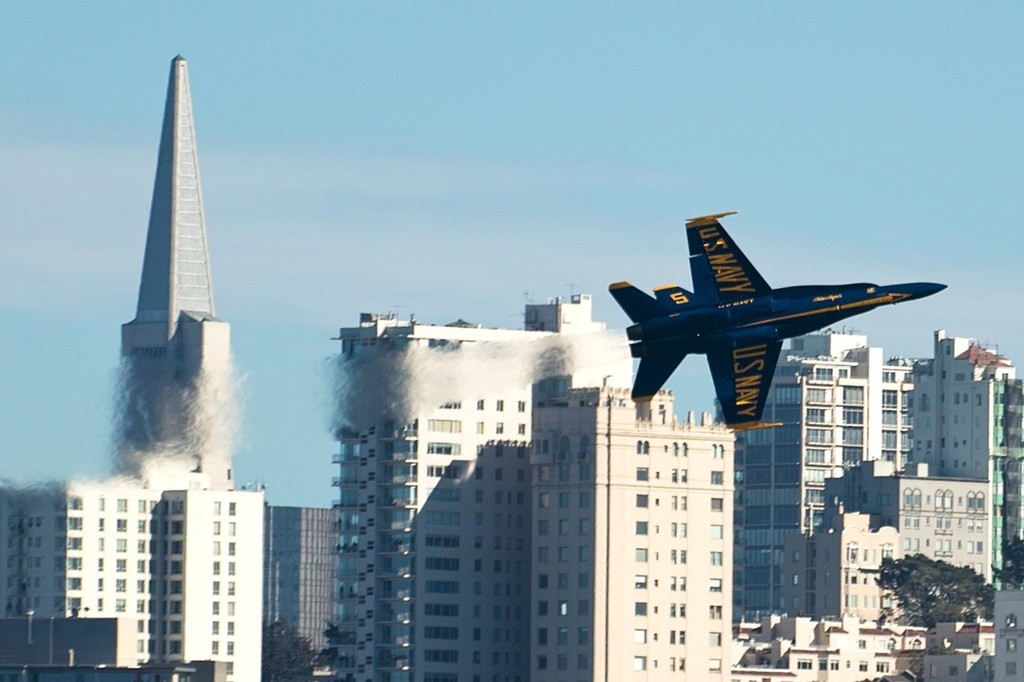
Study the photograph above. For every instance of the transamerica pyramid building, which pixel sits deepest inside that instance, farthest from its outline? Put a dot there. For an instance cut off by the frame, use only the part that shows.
(176, 404)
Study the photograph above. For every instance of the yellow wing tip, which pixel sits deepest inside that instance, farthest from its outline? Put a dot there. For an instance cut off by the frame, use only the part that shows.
(751, 426)
(618, 285)
(701, 221)
(666, 286)
(641, 399)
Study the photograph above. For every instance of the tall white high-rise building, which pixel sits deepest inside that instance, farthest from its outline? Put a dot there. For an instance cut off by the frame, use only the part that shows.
(168, 542)
(434, 479)
(839, 403)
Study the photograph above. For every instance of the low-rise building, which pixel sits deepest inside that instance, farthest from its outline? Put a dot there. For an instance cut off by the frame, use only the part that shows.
(834, 572)
(836, 650)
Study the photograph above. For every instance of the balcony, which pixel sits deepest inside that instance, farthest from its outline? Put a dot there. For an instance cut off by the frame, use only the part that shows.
(388, 661)
(349, 478)
(396, 595)
(392, 545)
(389, 615)
(392, 566)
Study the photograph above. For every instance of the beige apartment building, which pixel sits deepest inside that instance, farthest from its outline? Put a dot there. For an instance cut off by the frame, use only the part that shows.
(946, 519)
(631, 540)
(832, 572)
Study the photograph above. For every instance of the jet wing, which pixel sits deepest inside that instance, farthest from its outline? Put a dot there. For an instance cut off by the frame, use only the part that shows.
(653, 372)
(743, 376)
(720, 271)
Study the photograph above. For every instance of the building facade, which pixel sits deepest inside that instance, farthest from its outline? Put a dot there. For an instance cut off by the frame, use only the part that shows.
(179, 562)
(946, 519)
(1009, 635)
(832, 572)
(967, 424)
(837, 650)
(839, 403)
(434, 488)
(300, 569)
(631, 540)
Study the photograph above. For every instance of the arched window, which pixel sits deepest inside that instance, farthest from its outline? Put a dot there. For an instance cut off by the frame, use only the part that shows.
(939, 497)
(970, 502)
(979, 502)
(686, 449)
(639, 447)
(908, 498)
(949, 500)
(917, 498)
(675, 449)
(647, 447)
(584, 447)
(563, 447)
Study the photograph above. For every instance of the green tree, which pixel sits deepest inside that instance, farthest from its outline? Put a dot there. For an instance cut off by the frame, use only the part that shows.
(285, 652)
(1011, 575)
(927, 592)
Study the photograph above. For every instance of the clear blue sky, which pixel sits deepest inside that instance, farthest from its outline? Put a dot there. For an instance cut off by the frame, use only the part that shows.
(444, 159)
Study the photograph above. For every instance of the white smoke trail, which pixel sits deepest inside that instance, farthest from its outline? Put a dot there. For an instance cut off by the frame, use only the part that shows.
(386, 384)
(169, 426)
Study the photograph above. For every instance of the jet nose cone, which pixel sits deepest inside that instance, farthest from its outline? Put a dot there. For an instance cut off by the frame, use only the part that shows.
(920, 289)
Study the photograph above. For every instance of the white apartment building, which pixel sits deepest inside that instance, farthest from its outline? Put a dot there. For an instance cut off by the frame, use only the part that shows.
(840, 403)
(434, 489)
(184, 563)
(631, 540)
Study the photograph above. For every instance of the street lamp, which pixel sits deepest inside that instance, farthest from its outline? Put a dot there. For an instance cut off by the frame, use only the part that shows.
(30, 613)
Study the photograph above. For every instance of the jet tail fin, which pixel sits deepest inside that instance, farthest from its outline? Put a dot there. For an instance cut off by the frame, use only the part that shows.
(653, 373)
(636, 304)
(672, 296)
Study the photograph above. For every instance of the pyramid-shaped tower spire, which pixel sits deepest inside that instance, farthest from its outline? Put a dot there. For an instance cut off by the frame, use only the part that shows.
(176, 268)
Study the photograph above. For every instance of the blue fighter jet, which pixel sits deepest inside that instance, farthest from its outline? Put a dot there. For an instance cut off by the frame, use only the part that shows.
(736, 319)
